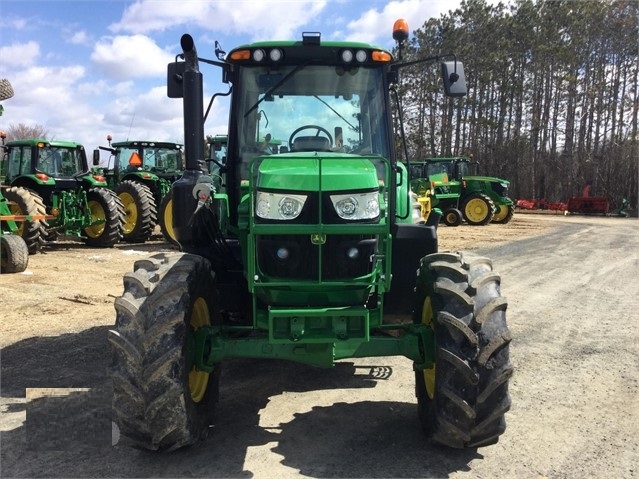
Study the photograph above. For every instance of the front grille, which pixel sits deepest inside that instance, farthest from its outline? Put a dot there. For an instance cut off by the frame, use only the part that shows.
(296, 257)
(499, 189)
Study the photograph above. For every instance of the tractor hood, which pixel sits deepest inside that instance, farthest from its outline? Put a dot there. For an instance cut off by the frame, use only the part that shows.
(488, 179)
(312, 172)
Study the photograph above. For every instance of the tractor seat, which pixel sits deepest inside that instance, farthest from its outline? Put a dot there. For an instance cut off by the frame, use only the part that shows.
(311, 143)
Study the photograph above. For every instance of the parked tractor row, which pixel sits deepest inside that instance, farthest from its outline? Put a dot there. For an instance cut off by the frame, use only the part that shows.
(101, 206)
(53, 178)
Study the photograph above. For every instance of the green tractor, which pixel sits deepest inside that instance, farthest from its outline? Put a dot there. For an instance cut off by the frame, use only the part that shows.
(310, 254)
(141, 174)
(461, 196)
(48, 177)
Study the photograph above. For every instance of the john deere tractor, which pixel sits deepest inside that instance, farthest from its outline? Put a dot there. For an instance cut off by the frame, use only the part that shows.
(311, 254)
(52, 178)
(462, 196)
(141, 174)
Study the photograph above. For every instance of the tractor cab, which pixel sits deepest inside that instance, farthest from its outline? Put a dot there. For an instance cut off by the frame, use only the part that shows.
(45, 166)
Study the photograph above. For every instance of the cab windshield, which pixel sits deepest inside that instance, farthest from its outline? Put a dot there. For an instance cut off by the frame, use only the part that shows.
(59, 161)
(150, 158)
(312, 108)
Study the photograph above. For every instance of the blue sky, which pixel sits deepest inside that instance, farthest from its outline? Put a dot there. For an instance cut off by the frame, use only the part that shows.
(85, 69)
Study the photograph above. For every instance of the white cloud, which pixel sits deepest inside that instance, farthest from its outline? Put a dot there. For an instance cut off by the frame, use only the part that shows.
(46, 87)
(17, 23)
(125, 57)
(269, 19)
(20, 55)
(79, 38)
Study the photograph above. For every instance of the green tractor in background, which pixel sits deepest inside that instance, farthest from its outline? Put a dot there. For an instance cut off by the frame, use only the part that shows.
(47, 177)
(478, 200)
(311, 254)
(141, 175)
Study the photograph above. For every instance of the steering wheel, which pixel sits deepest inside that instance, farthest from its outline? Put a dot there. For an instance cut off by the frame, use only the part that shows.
(319, 129)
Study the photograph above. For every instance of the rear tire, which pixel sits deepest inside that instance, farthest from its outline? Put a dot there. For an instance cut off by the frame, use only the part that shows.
(23, 201)
(462, 399)
(14, 255)
(478, 209)
(106, 207)
(140, 212)
(160, 402)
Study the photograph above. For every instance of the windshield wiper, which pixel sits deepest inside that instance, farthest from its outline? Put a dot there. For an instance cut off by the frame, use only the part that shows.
(337, 113)
(270, 91)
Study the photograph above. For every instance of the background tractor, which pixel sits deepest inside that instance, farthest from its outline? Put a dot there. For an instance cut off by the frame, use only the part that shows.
(311, 254)
(141, 174)
(463, 196)
(53, 178)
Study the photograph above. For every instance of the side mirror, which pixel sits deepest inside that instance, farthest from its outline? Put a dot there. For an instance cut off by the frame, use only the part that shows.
(96, 157)
(454, 78)
(174, 78)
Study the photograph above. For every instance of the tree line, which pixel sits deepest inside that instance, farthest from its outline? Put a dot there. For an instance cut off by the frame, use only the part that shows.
(552, 95)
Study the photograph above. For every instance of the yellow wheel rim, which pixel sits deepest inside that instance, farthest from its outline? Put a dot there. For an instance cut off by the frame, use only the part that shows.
(429, 374)
(17, 211)
(97, 214)
(168, 219)
(501, 213)
(130, 212)
(199, 380)
(477, 210)
(451, 218)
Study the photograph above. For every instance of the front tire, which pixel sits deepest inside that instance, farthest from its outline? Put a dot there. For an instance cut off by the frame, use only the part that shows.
(14, 255)
(160, 401)
(463, 398)
(504, 214)
(453, 217)
(107, 215)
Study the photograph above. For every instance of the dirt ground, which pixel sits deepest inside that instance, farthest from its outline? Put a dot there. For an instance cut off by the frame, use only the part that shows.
(53, 351)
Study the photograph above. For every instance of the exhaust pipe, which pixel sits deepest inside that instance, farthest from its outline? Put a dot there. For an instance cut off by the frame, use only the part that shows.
(186, 232)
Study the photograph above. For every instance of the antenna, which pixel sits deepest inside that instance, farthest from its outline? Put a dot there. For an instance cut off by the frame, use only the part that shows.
(130, 126)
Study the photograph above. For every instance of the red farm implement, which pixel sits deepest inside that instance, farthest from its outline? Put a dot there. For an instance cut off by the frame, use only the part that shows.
(588, 205)
(541, 205)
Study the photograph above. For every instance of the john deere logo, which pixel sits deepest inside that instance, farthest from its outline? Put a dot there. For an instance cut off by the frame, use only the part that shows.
(318, 238)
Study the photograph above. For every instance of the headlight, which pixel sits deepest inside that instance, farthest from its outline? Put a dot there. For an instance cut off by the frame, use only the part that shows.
(357, 206)
(278, 206)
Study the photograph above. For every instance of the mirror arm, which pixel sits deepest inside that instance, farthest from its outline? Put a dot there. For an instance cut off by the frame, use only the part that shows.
(434, 58)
